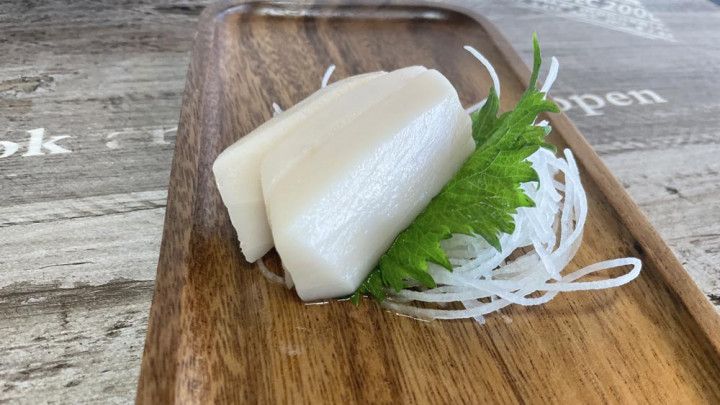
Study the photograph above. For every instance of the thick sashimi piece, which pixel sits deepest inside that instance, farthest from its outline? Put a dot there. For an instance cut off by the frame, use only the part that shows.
(339, 208)
(344, 109)
(237, 168)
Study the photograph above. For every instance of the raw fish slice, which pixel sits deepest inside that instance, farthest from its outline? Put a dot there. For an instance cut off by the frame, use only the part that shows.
(304, 138)
(342, 205)
(237, 168)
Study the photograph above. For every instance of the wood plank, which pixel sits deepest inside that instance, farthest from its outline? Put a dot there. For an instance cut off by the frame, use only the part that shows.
(93, 250)
(678, 188)
(82, 207)
(106, 74)
(52, 338)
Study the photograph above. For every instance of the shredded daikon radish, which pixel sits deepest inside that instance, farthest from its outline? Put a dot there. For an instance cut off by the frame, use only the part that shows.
(493, 75)
(323, 83)
(483, 279)
(270, 275)
(549, 80)
(326, 76)
(552, 75)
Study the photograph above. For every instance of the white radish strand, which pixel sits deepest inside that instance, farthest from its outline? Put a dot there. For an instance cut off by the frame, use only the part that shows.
(269, 274)
(485, 62)
(551, 76)
(326, 76)
(493, 75)
(323, 83)
(476, 309)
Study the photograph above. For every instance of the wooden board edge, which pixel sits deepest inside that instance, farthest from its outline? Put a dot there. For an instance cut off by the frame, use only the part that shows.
(163, 347)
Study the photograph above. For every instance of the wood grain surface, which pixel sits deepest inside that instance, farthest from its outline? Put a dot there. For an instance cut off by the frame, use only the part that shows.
(219, 332)
(80, 232)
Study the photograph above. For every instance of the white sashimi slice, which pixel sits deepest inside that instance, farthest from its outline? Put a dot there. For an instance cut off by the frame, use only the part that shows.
(344, 109)
(237, 168)
(339, 209)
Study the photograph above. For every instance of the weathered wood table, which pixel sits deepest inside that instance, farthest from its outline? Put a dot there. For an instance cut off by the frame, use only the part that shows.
(89, 100)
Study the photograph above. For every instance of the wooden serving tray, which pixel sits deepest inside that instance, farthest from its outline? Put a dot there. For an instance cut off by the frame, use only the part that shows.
(219, 332)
